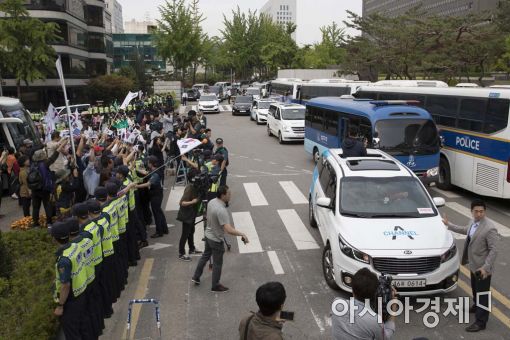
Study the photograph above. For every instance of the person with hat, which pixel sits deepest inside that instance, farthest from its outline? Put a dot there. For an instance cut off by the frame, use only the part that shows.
(67, 184)
(113, 189)
(207, 144)
(43, 185)
(109, 211)
(213, 170)
(188, 209)
(122, 175)
(106, 268)
(156, 197)
(70, 285)
(221, 150)
(91, 242)
(61, 161)
(86, 246)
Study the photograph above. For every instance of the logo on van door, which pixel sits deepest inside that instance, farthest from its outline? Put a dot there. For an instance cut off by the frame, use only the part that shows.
(411, 163)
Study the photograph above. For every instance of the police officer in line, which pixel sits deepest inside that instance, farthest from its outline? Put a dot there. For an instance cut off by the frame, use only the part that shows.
(90, 244)
(113, 188)
(86, 246)
(137, 173)
(106, 267)
(109, 212)
(70, 285)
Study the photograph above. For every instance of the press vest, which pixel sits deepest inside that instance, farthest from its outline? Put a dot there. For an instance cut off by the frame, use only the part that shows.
(97, 253)
(78, 273)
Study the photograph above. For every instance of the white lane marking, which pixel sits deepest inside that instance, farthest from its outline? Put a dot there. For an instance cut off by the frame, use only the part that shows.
(448, 194)
(227, 107)
(255, 195)
(173, 200)
(293, 192)
(182, 109)
(297, 230)
(503, 230)
(307, 171)
(290, 167)
(199, 234)
(272, 163)
(257, 160)
(194, 108)
(275, 262)
(243, 157)
(244, 223)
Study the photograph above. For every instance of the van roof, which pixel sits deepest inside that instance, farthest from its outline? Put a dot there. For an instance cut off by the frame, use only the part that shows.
(8, 101)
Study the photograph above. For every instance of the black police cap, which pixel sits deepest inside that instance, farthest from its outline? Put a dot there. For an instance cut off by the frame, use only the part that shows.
(112, 189)
(101, 194)
(59, 230)
(81, 210)
(73, 225)
(124, 170)
(94, 206)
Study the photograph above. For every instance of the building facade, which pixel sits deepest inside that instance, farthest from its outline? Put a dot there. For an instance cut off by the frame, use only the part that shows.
(127, 46)
(139, 27)
(86, 49)
(115, 9)
(393, 8)
(281, 11)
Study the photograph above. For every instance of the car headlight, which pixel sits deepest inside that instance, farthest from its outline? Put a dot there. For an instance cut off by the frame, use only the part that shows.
(433, 172)
(352, 252)
(450, 253)
(286, 129)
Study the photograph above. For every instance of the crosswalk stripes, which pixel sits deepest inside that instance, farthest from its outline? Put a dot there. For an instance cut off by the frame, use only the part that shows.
(275, 262)
(244, 223)
(293, 192)
(173, 200)
(297, 230)
(255, 195)
(502, 230)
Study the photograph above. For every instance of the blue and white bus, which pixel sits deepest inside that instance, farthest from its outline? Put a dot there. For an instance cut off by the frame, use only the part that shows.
(404, 131)
(474, 130)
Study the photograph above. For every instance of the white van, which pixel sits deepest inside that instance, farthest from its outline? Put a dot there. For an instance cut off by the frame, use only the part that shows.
(202, 88)
(259, 110)
(16, 125)
(286, 121)
(373, 212)
(254, 92)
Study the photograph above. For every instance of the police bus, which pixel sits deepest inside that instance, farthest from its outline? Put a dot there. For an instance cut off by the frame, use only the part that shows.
(282, 87)
(399, 128)
(16, 125)
(474, 131)
(328, 88)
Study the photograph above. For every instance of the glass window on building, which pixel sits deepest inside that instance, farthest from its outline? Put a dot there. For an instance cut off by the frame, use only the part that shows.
(78, 67)
(97, 67)
(76, 8)
(95, 16)
(77, 37)
(97, 42)
(50, 5)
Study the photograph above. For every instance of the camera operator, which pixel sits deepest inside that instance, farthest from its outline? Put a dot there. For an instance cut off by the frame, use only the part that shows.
(188, 208)
(266, 323)
(366, 326)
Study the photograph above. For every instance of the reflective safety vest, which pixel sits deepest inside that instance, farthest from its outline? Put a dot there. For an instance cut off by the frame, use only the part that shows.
(106, 240)
(87, 249)
(130, 107)
(130, 195)
(122, 213)
(215, 185)
(110, 210)
(78, 273)
(134, 175)
(97, 253)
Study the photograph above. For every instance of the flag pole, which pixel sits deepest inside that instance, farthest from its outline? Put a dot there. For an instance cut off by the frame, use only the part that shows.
(68, 109)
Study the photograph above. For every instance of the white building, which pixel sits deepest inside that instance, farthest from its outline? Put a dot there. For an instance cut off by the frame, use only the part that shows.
(139, 27)
(115, 9)
(282, 12)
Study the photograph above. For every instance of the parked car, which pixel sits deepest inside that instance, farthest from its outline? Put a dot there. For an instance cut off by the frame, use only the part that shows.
(202, 88)
(242, 105)
(259, 110)
(193, 95)
(218, 91)
(286, 121)
(208, 103)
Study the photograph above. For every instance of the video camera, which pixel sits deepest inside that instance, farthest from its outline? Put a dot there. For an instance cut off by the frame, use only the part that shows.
(202, 182)
(385, 293)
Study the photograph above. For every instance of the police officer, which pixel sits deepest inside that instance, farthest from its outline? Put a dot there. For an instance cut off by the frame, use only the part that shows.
(118, 203)
(122, 174)
(109, 211)
(90, 231)
(136, 174)
(86, 246)
(106, 266)
(220, 149)
(70, 285)
(214, 169)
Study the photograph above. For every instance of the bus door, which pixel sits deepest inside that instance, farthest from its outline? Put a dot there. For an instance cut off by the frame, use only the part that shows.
(343, 129)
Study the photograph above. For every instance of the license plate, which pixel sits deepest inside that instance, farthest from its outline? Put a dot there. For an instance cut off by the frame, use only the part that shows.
(242, 110)
(410, 283)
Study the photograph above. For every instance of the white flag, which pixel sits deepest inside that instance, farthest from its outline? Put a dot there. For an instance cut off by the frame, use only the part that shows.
(187, 144)
(130, 96)
(140, 94)
(76, 125)
(50, 121)
(58, 64)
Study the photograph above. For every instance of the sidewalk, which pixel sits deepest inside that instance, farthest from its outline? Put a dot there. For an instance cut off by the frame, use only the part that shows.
(11, 210)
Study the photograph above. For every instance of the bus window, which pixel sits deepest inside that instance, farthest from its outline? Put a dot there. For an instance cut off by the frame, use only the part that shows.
(443, 109)
(471, 114)
(317, 118)
(496, 118)
(388, 96)
(331, 123)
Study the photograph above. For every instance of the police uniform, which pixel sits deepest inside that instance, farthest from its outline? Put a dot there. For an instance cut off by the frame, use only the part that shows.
(69, 269)
(141, 231)
(118, 202)
(132, 221)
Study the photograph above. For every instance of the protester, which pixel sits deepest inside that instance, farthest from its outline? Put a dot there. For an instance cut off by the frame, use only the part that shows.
(24, 191)
(188, 209)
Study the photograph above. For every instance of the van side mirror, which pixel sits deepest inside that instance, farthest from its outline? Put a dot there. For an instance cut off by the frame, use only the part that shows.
(324, 202)
(439, 202)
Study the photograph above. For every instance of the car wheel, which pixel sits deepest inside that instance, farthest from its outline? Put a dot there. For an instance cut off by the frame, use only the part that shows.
(311, 217)
(280, 138)
(328, 268)
(445, 177)
(316, 155)
(251, 117)
(269, 131)
(233, 113)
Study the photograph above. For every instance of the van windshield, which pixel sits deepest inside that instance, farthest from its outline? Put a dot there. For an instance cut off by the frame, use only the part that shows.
(293, 114)
(264, 105)
(20, 132)
(253, 92)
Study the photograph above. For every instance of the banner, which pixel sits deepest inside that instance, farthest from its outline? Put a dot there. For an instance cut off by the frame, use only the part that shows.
(130, 96)
(76, 125)
(133, 136)
(187, 144)
(122, 124)
(51, 119)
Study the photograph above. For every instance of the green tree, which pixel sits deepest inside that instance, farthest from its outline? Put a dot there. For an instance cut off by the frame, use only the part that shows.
(25, 44)
(179, 36)
(109, 88)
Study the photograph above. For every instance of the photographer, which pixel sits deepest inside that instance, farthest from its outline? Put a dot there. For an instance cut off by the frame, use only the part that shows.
(266, 323)
(366, 326)
(188, 208)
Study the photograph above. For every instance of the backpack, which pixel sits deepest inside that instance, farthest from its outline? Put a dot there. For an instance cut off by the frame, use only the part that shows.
(34, 178)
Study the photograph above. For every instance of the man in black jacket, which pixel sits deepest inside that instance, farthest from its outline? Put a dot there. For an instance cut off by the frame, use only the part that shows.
(351, 147)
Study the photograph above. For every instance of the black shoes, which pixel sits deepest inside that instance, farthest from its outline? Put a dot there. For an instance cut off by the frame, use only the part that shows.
(143, 244)
(195, 281)
(156, 235)
(195, 252)
(220, 289)
(132, 263)
(475, 328)
(184, 258)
